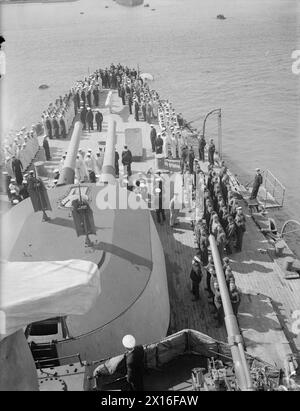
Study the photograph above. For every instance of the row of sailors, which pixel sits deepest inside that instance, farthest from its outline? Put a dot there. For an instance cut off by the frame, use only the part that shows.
(24, 147)
(171, 140)
(58, 118)
(87, 93)
(87, 165)
(212, 285)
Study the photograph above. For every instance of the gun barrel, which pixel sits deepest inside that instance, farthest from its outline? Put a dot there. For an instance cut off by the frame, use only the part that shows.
(67, 174)
(234, 337)
(108, 169)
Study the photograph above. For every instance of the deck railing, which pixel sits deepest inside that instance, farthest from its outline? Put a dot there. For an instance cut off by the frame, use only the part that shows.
(274, 190)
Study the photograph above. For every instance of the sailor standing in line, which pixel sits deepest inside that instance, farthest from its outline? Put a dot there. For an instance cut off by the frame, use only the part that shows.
(99, 120)
(202, 144)
(127, 160)
(17, 168)
(211, 152)
(153, 136)
(240, 222)
(134, 363)
(159, 209)
(90, 119)
(196, 277)
(257, 183)
(46, 148)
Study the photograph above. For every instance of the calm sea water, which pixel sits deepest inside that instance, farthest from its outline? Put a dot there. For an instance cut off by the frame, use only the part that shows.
(242, 64)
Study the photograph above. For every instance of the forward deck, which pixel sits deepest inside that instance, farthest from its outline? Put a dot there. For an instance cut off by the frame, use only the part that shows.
(268, 300)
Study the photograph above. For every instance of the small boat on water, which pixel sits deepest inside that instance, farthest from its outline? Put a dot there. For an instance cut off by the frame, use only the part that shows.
(43, 86)
(221, 17)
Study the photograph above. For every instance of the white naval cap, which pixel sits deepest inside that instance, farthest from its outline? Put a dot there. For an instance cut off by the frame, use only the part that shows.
(129, 341)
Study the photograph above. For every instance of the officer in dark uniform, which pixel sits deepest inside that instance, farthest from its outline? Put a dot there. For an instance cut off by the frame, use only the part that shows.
(153, 136)
(134, 358)
(240, 222)
(218, 305)
(196, 277)
(17, 168)
(257, 183)
(90, 119)
(202, 144)
(99, 120)
(127, 160)
(159, 142)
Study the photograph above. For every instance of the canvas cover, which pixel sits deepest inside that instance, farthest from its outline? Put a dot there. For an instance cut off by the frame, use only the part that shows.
(35, 291)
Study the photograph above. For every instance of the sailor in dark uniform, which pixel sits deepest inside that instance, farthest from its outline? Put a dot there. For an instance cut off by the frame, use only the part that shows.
(218, 305)
(46, 148)
(196, 277)
(159, 142)
(17, 168)
(202, 144)
(89, 98)
(96, 96)
(38, 195)
(127, 160)
(134, 358)
(257, 183)
(55, 127)
(136, 110)
(99, 120)
(234, 297)
(62, 127)
(83, 97)
(191, 157)
(48, 127)
(153, 136)
(240, 222)
(90, 119)
(123, 93)
(211, 152)
(160, 211)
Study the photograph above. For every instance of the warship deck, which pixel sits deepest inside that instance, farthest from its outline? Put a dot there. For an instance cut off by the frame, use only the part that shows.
(268, 299)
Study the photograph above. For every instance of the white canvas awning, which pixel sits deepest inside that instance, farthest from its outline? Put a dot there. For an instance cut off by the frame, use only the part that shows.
(35, 291)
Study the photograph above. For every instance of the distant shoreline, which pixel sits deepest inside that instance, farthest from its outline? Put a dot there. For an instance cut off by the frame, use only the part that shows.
(35, 1)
